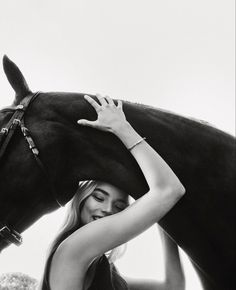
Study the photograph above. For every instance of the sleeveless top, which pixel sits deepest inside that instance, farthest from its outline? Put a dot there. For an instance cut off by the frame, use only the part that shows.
(104, 277)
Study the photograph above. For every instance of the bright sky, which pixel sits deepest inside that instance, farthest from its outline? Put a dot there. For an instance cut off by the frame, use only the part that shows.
(176, 55)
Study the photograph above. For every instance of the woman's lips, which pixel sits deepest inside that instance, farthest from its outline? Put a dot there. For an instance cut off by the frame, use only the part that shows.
(96, 217)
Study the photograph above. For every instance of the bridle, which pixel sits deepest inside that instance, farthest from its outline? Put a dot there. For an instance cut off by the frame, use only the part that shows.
(8, 234)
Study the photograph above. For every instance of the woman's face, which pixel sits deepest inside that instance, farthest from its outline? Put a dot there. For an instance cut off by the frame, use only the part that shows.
(105, 200)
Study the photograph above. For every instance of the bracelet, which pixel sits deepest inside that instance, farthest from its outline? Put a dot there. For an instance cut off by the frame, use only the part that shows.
(135, 144)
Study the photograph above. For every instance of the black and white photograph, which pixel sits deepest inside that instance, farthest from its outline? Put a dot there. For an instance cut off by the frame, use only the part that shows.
(117, 145)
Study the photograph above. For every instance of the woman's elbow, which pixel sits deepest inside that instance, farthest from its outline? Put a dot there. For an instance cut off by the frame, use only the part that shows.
(171, 192)
(180, 189)
(177, 190)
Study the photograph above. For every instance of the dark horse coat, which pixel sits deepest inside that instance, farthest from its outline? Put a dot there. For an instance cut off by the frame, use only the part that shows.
(203, 157)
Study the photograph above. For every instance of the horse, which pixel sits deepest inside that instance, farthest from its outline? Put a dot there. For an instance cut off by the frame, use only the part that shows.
(48, 153)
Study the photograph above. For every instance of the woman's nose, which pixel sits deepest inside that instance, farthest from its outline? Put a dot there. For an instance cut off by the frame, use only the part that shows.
(107, 209)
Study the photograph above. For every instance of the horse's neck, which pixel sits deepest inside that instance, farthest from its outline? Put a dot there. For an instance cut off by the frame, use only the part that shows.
(164, 127)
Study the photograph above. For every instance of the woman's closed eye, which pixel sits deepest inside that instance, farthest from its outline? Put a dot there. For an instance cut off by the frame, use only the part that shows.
(98, 197)
(121, 206)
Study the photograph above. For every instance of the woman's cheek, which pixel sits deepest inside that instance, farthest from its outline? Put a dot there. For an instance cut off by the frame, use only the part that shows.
(93, 204)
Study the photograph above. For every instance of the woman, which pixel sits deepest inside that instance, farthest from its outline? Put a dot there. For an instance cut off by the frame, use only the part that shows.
(77, 259)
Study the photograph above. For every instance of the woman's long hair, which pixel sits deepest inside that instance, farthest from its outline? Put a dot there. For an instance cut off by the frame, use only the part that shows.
(72, 222)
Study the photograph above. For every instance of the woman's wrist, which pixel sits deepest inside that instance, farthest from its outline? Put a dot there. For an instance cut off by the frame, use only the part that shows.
(121, 128)
(126, 133)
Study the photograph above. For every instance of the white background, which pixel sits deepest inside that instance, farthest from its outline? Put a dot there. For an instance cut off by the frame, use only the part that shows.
(176, 55)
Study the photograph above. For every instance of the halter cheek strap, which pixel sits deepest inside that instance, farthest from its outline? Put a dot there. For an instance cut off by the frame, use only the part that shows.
(7, 233)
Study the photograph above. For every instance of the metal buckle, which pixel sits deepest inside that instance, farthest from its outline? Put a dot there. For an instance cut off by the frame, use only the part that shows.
(10, 235)
(16, 122)
(4, 131)
(20, 107)
(25, 131)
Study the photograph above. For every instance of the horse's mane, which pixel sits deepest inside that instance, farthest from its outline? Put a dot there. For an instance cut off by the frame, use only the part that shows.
(172, 114)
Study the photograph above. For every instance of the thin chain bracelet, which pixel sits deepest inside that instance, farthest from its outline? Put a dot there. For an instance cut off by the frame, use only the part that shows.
(135, 144)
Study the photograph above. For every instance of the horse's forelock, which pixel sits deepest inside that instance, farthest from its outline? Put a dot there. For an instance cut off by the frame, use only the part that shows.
(16, 79)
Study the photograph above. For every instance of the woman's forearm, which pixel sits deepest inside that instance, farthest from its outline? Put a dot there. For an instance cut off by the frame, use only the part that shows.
(155, 169)
(173, 268)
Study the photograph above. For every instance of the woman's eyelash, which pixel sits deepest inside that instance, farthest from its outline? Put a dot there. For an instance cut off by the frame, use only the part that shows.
(98, 198)
(120, 207)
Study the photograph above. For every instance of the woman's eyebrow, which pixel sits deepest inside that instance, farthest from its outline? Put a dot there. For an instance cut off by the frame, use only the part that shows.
(102, 191)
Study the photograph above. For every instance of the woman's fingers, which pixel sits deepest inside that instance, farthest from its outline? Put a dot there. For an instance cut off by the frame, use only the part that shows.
(108, 113)
(119, 104)
(88, 123)
(101, 99)
(109, 100)
(96, 106)
(104, 101)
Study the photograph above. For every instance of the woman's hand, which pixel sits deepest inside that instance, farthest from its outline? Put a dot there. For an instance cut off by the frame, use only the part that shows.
(111, 118)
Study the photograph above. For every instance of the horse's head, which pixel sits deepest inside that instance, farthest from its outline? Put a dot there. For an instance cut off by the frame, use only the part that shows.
(31, 184)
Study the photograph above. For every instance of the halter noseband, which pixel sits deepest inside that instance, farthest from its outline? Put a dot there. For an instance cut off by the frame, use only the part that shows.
(7, 233)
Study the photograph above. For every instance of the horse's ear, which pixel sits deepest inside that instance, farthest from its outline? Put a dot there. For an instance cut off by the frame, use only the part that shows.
(16, 79)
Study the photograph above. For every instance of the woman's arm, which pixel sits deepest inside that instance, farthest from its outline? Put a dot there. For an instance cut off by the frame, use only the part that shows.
(174, 273)
(111, 118)
(165, 190)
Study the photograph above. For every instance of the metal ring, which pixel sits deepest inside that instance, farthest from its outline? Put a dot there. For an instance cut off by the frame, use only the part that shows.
(16, 121)
(19, 107)
(4, 130)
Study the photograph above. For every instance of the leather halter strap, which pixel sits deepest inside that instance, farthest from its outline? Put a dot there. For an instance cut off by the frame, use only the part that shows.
(7, 132)
(7, 233)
